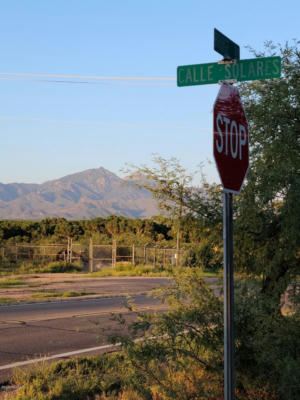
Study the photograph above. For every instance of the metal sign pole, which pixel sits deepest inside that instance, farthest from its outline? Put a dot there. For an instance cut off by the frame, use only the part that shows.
(232, 165)
(228, 297)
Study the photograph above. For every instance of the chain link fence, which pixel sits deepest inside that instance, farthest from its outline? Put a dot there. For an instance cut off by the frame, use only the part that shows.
(91, 256)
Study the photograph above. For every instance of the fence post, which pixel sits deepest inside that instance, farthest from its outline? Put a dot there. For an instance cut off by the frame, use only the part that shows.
(16, 252)
(145, 254)
(133, 256)
(71, 251)
(114, 254)
(91, 256)
(68, 249)
(154, 260)
(164, 262)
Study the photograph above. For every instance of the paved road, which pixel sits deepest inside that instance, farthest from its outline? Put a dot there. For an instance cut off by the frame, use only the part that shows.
(34, 330)
(29, 331)
(23, 313)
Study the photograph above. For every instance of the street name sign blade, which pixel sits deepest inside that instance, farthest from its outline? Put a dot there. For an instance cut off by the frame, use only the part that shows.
(243, 70)
(225, 46)
(230, 138)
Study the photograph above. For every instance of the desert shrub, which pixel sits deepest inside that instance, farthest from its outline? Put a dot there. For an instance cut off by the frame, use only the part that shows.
(181, 355)
(205, 255)
(57, 267)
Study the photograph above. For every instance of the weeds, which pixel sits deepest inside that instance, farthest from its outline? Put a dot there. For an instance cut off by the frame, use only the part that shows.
(79, 379)
(50, 294)
(9, 282)
(6, 300)
(32, 268)
(143, 270)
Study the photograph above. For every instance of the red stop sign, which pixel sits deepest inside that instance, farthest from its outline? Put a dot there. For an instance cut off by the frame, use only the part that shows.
(231, 144)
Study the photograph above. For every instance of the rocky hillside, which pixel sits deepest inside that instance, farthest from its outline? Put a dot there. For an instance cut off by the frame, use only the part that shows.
(88, 194)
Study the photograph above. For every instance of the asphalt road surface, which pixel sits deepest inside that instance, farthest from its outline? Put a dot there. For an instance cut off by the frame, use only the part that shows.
(31, 331)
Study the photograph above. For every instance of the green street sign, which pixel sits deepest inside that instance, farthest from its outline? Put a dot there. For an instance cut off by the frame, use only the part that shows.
(225, 46)
(242, 70)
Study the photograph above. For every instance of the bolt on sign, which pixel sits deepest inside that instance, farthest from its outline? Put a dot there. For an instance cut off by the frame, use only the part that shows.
(230, 138)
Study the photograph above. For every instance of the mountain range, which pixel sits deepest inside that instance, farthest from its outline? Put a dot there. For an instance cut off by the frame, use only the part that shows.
(84, 195)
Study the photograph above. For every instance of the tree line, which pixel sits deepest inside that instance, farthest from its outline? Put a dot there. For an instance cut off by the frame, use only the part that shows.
(155, 230)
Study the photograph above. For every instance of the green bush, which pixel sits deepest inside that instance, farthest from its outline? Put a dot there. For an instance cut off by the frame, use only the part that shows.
(205, 255)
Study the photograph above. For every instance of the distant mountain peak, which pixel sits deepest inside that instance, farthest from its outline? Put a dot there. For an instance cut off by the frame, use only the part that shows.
(81, 195)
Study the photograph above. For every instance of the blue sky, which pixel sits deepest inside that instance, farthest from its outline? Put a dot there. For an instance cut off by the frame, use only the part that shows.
(54, 126)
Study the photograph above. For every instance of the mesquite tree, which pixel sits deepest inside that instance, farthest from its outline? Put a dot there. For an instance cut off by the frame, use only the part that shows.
(268, 225)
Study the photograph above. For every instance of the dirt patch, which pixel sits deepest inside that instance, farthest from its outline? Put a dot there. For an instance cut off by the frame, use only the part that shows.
(67, 283)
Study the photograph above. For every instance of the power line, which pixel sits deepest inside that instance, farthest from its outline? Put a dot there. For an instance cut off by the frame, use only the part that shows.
(95, 77)
(140, 83)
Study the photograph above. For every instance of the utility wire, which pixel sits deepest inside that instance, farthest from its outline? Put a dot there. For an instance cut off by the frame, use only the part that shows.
(121, 80)
(89, 83)
(137, 78)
